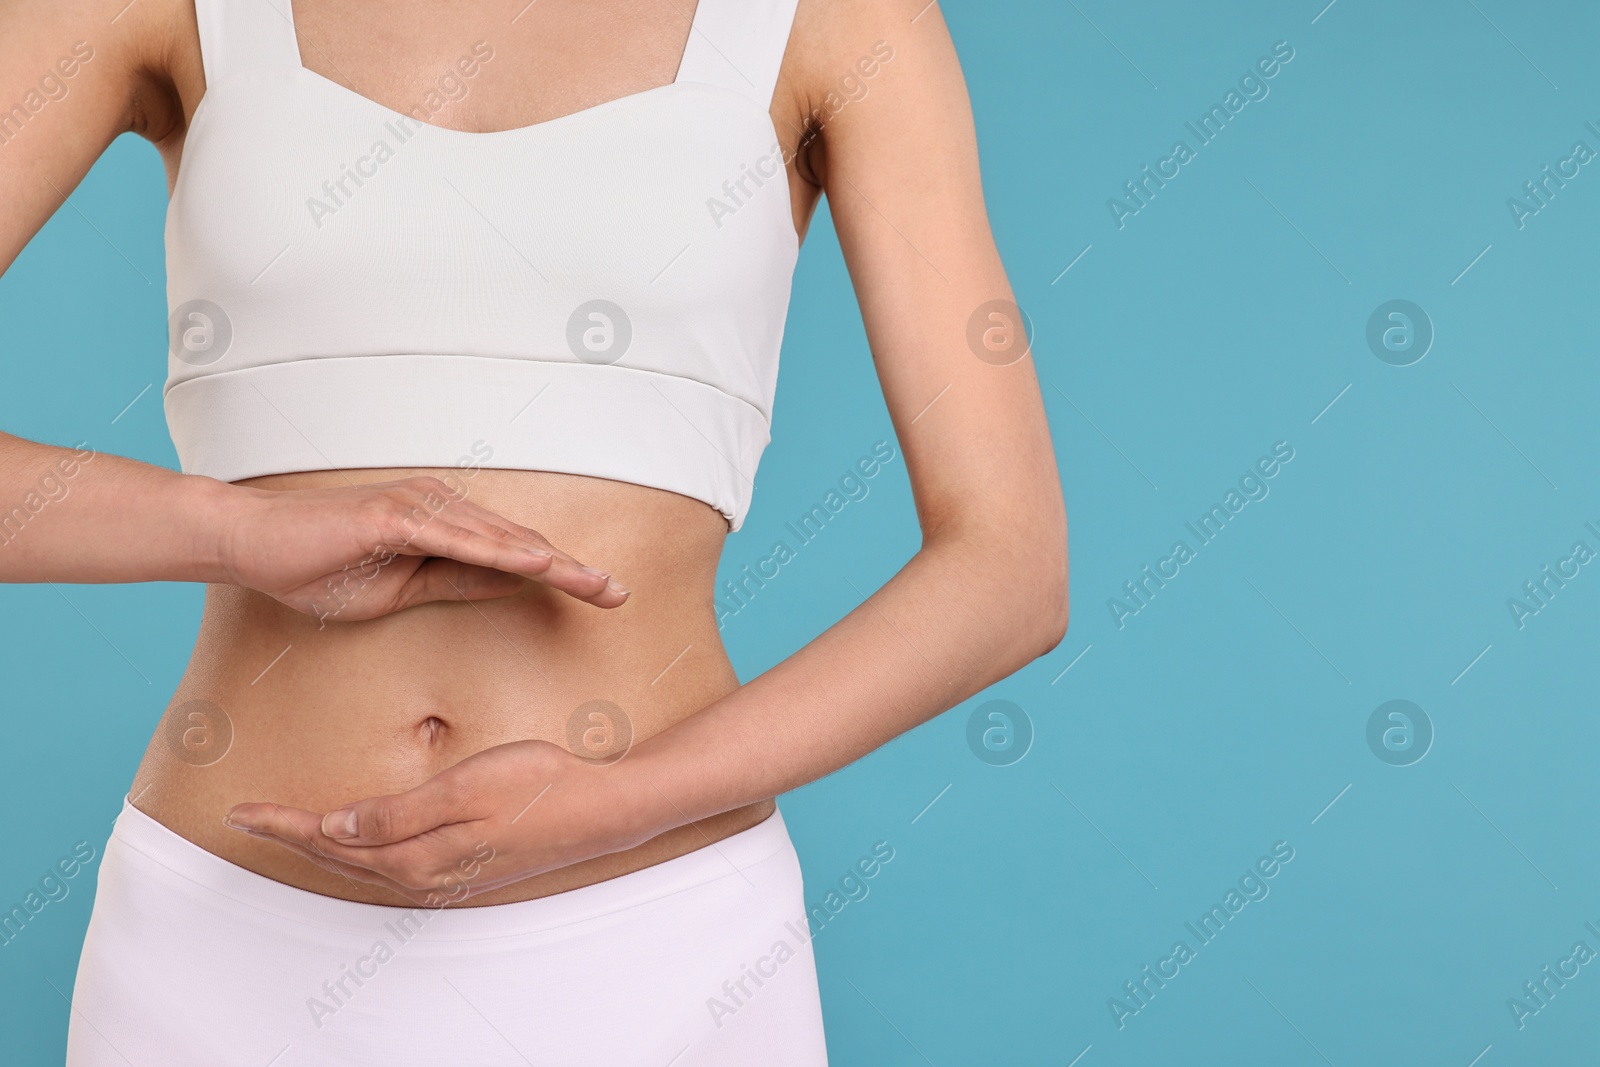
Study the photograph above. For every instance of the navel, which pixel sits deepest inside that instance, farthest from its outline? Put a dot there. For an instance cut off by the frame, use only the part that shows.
(432, 729)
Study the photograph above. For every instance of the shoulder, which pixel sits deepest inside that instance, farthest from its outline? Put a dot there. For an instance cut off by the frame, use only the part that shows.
(898, 53)
(830, 29)
(835, 43)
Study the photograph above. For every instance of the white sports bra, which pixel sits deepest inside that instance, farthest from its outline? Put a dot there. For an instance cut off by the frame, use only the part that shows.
(603, 293)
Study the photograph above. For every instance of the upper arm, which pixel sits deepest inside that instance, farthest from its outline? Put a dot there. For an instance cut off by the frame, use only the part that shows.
(899, 165)
(71, 81)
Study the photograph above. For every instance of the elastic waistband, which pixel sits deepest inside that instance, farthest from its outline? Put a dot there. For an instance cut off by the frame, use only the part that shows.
(227, 883)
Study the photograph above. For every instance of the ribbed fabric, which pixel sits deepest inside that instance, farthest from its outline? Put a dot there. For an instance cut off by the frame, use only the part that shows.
(626, 268)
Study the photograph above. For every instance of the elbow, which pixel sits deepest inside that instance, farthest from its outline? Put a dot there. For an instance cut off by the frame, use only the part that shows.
(1051, 628)
(1041, 619)
(1054, 607)
(1030, 589)
(1047, 552)
(1058, 625)
(1041, 622)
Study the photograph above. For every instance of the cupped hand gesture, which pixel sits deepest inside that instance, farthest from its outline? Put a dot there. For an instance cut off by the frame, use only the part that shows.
(363, 551)
(497, 817)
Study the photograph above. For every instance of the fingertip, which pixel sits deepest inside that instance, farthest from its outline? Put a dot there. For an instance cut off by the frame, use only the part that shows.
(596, 575)
(607, 597)
(339, 825)
(238, 818)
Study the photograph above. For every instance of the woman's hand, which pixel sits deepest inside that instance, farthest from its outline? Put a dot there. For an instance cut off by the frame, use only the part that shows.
(360, 552)
(498, 816)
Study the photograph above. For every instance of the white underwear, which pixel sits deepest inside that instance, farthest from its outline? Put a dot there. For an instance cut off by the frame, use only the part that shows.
(701, 961)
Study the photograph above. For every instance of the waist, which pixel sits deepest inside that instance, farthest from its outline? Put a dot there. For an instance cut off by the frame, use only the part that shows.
(188, 871)
(277, 705)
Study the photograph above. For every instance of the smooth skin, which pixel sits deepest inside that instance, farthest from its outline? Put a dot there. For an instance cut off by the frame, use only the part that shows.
(431, 715)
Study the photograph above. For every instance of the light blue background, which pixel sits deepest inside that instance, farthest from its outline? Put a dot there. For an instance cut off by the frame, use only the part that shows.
(1227, 714)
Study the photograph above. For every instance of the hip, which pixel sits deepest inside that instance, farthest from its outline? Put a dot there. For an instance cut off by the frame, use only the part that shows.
(701, 959)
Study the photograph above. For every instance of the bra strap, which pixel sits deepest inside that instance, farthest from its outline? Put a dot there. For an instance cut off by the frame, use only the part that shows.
(236, 34)
(739, 45)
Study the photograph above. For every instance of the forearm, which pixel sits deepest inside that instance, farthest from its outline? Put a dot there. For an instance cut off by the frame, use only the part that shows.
(938, 632)
(75, 515)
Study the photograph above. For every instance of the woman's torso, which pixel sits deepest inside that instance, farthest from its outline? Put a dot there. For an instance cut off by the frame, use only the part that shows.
(278, 706)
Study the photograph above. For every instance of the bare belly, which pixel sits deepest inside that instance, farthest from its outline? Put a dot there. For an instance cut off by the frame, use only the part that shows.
(275, 706)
